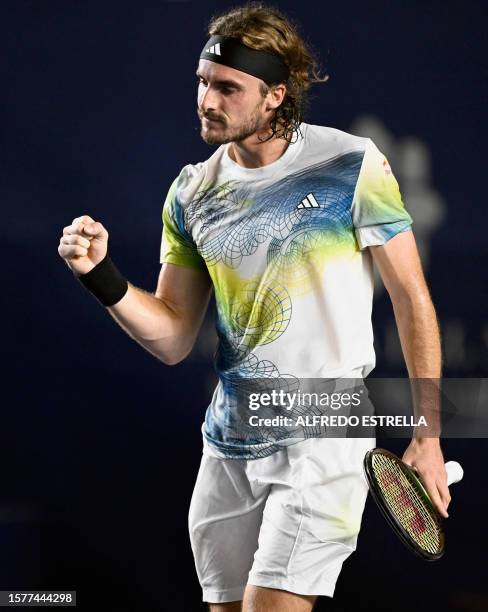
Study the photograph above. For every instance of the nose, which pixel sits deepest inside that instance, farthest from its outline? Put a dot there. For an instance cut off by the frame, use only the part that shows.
(207, 99)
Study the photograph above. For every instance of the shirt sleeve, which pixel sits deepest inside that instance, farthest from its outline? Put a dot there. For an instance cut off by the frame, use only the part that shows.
(378, 211)
(177, 245)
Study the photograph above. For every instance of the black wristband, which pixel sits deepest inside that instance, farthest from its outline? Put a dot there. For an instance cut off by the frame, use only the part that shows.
(105, 282)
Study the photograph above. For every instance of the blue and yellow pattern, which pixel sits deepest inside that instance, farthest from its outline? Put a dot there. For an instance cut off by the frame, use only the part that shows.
(268, 259)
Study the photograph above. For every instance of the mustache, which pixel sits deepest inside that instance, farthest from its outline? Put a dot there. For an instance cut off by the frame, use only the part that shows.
(206, 116)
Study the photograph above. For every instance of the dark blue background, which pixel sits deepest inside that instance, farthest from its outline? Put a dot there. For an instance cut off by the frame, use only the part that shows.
(100, 441)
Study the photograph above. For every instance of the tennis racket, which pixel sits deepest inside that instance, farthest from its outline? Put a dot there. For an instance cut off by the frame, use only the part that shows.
(404, 502)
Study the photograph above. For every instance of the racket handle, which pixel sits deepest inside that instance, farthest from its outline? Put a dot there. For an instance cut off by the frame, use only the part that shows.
(454, 471)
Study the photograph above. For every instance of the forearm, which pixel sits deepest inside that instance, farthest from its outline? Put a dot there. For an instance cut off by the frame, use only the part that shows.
(420, 340)
(154, 324)
(419, 336)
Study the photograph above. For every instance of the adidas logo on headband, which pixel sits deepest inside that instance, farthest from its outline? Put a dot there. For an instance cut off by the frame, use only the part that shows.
(215, 49)
(231, 52)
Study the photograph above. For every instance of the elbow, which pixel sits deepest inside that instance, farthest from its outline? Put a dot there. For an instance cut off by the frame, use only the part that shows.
(171, 360)
(176, 355)
(170, 345)
(409, 302)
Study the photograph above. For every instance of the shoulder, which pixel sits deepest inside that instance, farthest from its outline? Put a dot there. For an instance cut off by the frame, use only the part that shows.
(193, 177)
(335, 140)
(189, 176)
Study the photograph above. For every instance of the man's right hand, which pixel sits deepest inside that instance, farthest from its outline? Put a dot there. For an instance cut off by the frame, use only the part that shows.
(165, 323)
(83, 245)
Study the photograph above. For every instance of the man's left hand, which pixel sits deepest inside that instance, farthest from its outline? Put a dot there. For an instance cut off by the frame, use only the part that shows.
(425, 455)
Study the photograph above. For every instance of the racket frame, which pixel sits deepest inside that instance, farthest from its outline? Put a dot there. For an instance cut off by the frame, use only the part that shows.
(391, 519)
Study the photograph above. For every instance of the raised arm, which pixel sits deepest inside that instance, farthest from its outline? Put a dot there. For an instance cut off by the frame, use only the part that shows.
(165, 323)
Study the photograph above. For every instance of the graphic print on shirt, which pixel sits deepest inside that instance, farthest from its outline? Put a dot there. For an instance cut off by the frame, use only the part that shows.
(255, 307)
(293, 284)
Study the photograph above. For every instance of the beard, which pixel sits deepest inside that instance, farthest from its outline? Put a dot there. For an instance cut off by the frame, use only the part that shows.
(219, 134)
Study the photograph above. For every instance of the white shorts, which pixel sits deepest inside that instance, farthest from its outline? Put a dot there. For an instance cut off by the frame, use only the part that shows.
(287, 521)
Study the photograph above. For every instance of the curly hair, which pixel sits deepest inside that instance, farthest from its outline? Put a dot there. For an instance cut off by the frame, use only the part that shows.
(265, 28)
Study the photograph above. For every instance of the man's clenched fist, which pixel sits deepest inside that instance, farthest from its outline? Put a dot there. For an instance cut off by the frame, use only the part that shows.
(83, 244)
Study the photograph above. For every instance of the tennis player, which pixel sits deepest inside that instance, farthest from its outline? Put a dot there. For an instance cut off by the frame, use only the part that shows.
(283, 223)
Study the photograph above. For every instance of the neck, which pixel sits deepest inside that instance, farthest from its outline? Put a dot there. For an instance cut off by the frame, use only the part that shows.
(252, 153)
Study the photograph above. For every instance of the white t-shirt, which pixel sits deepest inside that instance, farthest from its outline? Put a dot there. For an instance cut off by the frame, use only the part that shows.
(284, 245)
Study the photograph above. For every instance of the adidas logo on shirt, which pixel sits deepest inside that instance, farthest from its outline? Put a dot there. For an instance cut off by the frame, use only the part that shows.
(309, 202)
(215, 49)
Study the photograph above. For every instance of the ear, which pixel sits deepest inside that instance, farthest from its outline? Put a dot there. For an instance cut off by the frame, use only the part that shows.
(275, 96)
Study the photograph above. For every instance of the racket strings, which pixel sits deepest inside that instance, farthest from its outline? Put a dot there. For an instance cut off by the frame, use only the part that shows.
(407, 504)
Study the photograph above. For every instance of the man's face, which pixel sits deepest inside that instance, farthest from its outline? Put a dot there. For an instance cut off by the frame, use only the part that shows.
(230, 104)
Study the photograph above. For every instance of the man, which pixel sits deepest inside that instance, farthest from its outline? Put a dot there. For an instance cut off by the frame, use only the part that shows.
(283, 223)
